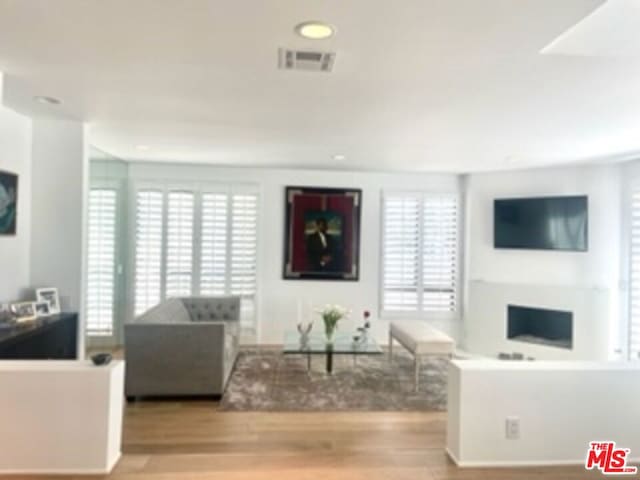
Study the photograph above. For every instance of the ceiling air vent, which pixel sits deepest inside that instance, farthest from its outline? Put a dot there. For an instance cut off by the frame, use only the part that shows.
(305, 60)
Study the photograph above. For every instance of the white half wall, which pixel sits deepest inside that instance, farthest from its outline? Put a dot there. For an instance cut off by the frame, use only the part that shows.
(277, 303)
(15, 157)
(597, 269)
(561, 407)
(60, 417)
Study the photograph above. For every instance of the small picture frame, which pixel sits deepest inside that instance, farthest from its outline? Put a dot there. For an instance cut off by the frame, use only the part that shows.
(43, 309)
(6, 315)
(24, 311)
(49, 295)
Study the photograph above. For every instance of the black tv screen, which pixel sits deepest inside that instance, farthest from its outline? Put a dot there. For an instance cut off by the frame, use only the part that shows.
(548, 223)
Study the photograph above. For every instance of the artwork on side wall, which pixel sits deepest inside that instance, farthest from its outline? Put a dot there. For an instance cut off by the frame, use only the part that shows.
(8, 202)
(322, 233)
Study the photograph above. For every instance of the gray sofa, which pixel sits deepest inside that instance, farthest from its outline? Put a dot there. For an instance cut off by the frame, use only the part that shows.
(183, 346)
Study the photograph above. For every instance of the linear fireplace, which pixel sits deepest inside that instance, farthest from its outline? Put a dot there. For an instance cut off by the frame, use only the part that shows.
(541, 326)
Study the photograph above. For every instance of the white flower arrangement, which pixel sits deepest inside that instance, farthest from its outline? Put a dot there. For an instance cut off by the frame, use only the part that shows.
(332, 314)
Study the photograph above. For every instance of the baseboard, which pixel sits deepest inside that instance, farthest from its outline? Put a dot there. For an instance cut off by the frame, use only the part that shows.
(113, 462)
(64, 471)
(453, 458)
(521, 463)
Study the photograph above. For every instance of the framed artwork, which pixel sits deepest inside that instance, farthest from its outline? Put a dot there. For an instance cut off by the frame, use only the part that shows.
(322, 233)
(8, 203)
(49, 295)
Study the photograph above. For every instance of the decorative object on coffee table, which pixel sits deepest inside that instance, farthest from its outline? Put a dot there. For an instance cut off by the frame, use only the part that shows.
(50, 295)
(322, 236)
(363, 332)
(331, 315)
(304, 330)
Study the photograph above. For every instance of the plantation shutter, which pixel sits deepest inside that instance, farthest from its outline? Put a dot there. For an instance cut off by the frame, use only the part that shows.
(439, 253)
(420, 250)
(148, 240)
(401, 251)
(213, 257)
(244, 247)
(101, 261)
(179, 263)
(634, 272)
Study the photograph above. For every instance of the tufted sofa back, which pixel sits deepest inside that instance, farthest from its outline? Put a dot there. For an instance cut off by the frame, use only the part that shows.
(212, 309)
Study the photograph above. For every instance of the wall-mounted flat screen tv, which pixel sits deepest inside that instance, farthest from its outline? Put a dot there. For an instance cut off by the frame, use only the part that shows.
(546, 223)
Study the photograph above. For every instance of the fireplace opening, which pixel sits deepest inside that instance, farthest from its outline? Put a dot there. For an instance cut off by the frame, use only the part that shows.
(541, 326)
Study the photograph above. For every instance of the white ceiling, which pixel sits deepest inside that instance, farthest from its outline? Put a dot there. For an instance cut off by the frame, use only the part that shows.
(418, 85)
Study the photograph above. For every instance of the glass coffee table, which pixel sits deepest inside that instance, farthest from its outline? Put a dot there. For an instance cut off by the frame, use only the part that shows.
(317, 345)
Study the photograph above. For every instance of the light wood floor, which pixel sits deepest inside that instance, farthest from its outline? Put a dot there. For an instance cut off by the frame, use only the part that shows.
(190, 440)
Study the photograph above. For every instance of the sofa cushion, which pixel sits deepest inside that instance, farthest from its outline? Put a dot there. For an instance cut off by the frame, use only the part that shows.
(169, 311)
(212, 309)
(421, 339)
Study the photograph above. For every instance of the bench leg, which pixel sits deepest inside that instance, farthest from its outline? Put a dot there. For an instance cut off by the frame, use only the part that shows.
(416, 380)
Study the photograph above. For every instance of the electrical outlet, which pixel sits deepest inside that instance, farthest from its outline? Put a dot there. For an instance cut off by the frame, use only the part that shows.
(512, 428)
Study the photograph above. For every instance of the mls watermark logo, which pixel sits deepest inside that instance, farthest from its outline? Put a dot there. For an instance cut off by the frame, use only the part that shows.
(610, 460)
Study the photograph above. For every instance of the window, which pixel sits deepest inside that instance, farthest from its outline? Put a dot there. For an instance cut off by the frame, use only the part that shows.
(420, 253)
(229, 248)
(214, 258)
(101, 261)
(244, 246)
(207, 245)
(179, 244)
(634, 277)
(148, 241)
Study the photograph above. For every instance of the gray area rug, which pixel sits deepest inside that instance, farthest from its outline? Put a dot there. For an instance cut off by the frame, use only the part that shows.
(265, 380)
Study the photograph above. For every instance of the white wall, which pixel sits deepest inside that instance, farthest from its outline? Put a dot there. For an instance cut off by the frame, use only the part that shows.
(15, 157)
(277, 309)
(58, 216)
(486, 329)
(58, 180)
(562, 406)
(598, 268)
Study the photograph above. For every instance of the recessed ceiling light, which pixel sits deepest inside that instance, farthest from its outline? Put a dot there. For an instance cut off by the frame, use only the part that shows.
(47, 100)
(143, 148)
(315, 30)
(339, 157)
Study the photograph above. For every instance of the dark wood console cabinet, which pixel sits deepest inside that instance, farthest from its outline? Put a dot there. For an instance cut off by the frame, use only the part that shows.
(54, 337)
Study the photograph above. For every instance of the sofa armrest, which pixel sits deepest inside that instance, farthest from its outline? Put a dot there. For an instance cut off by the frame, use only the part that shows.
(174, 358)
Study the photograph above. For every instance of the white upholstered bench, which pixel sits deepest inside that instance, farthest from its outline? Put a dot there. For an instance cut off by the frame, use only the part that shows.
(421, 339)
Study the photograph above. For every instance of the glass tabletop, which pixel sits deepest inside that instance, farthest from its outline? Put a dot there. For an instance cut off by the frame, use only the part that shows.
(318, 345)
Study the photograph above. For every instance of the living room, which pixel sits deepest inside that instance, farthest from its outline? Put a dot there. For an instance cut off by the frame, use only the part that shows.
(319, 239)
